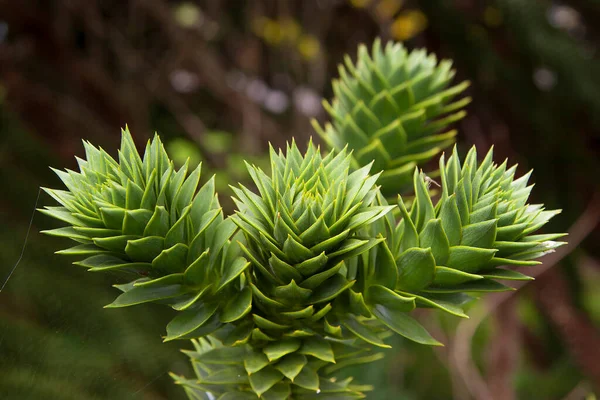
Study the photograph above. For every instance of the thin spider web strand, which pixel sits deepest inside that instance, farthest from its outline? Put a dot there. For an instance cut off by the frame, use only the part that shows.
(12, 271)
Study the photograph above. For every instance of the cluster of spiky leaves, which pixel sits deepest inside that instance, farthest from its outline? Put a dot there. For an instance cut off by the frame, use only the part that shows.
(393, 107)
(147, 219)
(319, 273)
(243, 373)
(438, 256)
(320, 270)
(299, 234)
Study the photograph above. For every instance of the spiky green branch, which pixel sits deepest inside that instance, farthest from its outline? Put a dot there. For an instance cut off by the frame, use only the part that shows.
(314, 270)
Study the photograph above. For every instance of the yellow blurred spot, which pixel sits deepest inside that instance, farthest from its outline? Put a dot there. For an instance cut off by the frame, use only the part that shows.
(188, 15)
(309, 47)
(360, 3)
(272, 32)
(387, 8)
(408, 25)
(492, 16)
(290, 30)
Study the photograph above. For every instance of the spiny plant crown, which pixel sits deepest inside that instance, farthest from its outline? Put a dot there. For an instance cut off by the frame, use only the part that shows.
(392, 107)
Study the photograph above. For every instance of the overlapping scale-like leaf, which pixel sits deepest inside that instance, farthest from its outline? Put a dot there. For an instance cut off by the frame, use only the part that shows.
(143, 217)
(393, 106)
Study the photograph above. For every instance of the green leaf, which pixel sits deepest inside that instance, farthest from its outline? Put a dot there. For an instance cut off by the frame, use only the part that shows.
(227, 376)
(505, 249)
(450, 219)
(158, 224)
(469, 259)
(262, 298)
(449, 276)
(175, 184)
(424, 205)
(316, 233)
(134, 196)
(385, 271)
(292, 293)
(97, 233)
(280, 391)
(254, 361)
(196, 272)
(85, 250)
(330, 243)
(239, 335)
(291, 365)
(62, 214)
(187, 190)
(296, 251)
(481, 234)
(484, 214)
(348, 246)
(149, 196)
(281, 230)
(330, 289)
(506, 274)
(282, 270)
(189, 320)
(355, 249)
(404, 325)
(202, 202)
(189, 300)
(266, 324)
(232, 271)
(366, 217)
(363, 332)
(205, 329)
(318, 348)
(139, 295)
(462, 201)
(116, 244)
(178, 232)
(353, 361)
(307, 379)
(102, 262)
(312, 265)
(356, 304)
(442, 303)
(264, 379)
(237, 307)
(416, 269)
(481, 285)
(145, 249)
(377, 294)
(113, 217)
(300, 314)
(433, 236)
(172, 259)
(234, 396)
(281, 348)
(410, 237)
(223, 356)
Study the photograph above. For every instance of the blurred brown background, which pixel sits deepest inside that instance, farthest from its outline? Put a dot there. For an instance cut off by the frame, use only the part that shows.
(219, 79)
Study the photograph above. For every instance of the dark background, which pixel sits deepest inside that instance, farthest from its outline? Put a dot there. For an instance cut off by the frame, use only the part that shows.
(219, 79)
